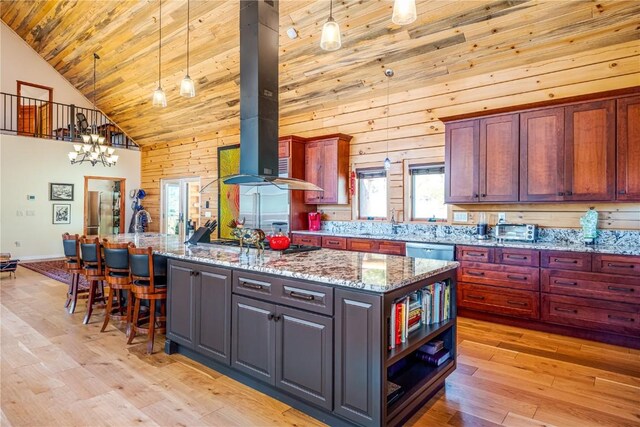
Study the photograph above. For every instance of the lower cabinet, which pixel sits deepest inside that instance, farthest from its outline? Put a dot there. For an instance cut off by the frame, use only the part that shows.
(198, 312)
(287, 348)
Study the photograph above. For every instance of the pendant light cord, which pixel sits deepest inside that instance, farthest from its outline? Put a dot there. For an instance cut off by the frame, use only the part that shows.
(388, 108)
(160, 46)
(330, 9)
(188, 36)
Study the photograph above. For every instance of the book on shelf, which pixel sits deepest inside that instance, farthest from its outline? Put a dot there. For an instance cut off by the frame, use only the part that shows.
(394, 391)
(434, 359)
(432, 347)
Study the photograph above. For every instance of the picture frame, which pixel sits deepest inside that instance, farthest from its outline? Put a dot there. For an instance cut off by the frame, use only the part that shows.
(61, 213)
(62, 192)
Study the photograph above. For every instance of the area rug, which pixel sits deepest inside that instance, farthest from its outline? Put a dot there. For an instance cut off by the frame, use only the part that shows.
(55, 270)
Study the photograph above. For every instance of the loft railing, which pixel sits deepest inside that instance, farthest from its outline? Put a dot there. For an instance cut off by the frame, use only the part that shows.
(26, 116)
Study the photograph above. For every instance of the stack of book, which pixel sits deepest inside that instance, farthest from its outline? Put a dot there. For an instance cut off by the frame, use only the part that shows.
(433, 353)
(429, 305)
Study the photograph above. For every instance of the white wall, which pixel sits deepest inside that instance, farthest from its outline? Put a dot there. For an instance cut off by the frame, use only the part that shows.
(27, 166)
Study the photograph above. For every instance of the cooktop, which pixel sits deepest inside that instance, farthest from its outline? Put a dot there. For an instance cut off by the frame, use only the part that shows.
(293, 249)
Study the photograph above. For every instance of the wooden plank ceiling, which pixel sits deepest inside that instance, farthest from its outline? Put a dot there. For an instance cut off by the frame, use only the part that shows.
(452, 39)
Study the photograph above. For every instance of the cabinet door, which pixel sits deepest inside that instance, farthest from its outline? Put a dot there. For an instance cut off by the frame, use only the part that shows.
(542, 155)
(499, 159)
(213, 309)
(329, 172)
(304, 365)
(590, 151)
(358, 357)
(313, 169)
(628, 149)
(462, 147)
(181, 304)
(253, 338)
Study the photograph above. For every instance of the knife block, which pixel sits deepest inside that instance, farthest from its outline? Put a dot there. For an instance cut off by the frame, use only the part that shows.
(201, 235)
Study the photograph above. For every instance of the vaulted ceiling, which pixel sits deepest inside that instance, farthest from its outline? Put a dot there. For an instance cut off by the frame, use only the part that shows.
(450, 39)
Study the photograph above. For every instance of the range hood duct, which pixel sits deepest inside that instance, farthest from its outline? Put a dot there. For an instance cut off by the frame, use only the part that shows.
(259, 23)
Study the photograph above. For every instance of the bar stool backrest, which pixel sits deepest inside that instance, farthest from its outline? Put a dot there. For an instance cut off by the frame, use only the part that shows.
(116, 258)
(144, 267)
(91, 252)
(71, 246)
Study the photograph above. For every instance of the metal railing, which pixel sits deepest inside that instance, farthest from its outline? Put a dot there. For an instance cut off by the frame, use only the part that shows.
(26, 116)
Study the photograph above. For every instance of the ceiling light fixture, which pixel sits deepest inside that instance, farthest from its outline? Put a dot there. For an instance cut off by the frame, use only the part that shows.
(159, 98)
(404, 12)
(93, 150)
(330, 39)
(389, 73)
(187, 86)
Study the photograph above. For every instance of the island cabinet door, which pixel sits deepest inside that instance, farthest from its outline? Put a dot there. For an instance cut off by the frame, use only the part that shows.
(253, 337)
(181, 303)
(213, 314)
(304, 356)
(358, 357)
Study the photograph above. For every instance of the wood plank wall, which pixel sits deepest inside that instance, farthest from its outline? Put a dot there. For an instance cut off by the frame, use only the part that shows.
(415, 133)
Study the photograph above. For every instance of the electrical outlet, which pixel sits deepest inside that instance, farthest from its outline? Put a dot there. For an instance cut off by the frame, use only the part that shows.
(502, 217)
(207, 214)
(19, 213)
(17, 244)
(461, 216)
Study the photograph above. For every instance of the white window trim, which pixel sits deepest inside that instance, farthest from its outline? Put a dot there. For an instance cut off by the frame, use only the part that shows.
(355, 200)
(406, 183)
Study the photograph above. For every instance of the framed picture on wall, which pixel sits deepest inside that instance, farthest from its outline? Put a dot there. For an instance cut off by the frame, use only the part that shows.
(61, 213)
(61, 192)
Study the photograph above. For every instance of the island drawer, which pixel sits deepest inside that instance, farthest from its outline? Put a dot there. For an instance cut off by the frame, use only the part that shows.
(507, 302)
(591, 314)
(617, 264)
(392, 248)
(306, 240)
(307, 296)
(333, 242)
(591, 285)
(514, 256)
(474, 253)
(256, 285)
(362, 245)
(507, 276)
(566, 260)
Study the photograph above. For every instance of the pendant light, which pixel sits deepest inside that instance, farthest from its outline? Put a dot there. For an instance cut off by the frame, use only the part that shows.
(330, 39)
(159, 98)
(404, 12)
(187, 86)
(389, 73)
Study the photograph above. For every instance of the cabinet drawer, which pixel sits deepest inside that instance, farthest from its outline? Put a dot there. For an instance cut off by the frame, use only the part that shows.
(500, 301)
(473, 253)
(591, 285)
(392, 248)
(256, 285)
(507, 276)
(306, 240)
(334, 242)
(566, 260)
(617, 264)
(591, 314)
(512, 256)
(362, 245)
(307, 296)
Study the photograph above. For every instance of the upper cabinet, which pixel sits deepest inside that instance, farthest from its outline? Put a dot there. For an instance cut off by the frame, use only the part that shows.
(628, 172)
(327, 166)
(462, 147)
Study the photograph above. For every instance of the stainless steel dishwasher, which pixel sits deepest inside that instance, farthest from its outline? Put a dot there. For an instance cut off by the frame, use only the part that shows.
(431, 251)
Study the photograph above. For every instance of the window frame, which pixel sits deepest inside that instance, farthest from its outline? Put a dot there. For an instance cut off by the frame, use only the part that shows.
(408, 184)
(356, 205)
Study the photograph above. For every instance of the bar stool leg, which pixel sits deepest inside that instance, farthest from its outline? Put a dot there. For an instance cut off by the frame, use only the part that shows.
(69, 292)
(107, 313)
(130, 302)
(74, 291)
(92, 294)
(134, 322)
(152, 326)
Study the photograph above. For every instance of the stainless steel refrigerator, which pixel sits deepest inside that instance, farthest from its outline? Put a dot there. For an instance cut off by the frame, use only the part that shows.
(263, 206)
(100, 213)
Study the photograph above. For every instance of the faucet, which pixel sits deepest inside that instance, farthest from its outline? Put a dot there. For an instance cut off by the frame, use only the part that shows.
(394, 223)
(138, 226)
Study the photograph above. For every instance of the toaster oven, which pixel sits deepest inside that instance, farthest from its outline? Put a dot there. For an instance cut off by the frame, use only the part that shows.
(517, 232)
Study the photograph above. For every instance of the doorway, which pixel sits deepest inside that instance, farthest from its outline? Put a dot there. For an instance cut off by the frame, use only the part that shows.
(35, 109)
(180, 206)
(104, 212)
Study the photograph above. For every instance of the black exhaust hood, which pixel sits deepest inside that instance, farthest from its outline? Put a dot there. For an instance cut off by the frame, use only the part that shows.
(259, 23)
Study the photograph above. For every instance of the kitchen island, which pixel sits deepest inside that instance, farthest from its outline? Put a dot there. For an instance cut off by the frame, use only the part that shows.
(311, 329)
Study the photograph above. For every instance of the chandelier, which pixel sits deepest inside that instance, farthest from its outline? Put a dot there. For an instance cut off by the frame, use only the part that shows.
(93, 149)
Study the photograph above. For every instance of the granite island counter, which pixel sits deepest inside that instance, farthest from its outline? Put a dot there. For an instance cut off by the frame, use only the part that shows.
(311, 329)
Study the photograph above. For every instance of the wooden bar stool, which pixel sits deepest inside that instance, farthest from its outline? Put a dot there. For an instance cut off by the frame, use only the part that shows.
(116, 274)
(73, 264)
(148, 282)
(91, 252)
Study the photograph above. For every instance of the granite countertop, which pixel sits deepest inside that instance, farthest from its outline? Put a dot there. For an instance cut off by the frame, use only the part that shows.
(472, 241)
(365, 271)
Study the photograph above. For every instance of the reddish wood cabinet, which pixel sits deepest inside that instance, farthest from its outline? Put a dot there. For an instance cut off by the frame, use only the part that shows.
(333, 242)
(462, 149)
(327, 166)
(628, 146)
(306, 240)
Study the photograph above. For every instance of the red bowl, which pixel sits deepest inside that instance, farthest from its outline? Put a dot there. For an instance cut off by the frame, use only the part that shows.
(279, 243)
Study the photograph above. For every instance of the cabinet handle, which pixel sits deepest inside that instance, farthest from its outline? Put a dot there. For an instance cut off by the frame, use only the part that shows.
(560, 193)
(270, 316)
(516, 256)
(277, 318)
(305, 297)
(333, 242)
(624, 319)
(619, 289)
(622, 192)
(474, 254)
(478, 297)
(484, 195)
(566, 310)
(251, 286)
(620, 265)
(563, 283)
(523, 304)
(569, 193)
(475, 273)
(512, 277)
(475, 196)
(564, 261)
(194, 273)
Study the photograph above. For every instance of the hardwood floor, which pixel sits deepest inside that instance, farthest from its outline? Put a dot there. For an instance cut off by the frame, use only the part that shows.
(55, 371)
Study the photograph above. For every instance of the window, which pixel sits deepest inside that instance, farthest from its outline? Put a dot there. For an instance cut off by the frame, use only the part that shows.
(427, 192)
(372, 194)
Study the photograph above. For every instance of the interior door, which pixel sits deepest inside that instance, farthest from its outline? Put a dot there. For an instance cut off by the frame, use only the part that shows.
(27, 120)
(180, 206)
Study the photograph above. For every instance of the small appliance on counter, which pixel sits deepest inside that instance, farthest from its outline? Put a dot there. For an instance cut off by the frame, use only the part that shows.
(482, 228)
(314, 221)
(517, 232)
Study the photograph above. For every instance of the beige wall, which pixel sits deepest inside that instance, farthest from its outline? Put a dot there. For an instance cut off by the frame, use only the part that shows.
(417, 135)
